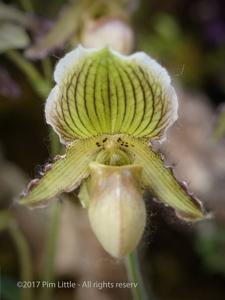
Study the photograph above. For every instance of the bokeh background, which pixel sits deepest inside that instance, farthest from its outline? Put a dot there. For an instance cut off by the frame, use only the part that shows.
(178, 260)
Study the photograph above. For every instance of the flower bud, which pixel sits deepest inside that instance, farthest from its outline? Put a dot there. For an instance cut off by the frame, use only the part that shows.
(117, 210)
(108, 32)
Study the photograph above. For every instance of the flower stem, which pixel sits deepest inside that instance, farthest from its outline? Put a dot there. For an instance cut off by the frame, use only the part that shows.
(48, 274)
(38, 83)
(47, 69)
(25, 259)
(7, 222)
(134, 275)
(219, 130)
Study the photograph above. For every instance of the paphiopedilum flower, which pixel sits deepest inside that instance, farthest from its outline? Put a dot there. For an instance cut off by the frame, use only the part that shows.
(107, 108)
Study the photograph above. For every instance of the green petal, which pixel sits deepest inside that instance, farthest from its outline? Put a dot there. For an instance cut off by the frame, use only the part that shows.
(64, 175)
(104, 92)
(163, 182)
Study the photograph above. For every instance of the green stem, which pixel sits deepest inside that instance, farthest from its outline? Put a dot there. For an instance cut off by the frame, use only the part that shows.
(49, 261)
(36, 80)
(47, 69)
(219, 130)
(25, 259)
(26, 273)
(134, 275)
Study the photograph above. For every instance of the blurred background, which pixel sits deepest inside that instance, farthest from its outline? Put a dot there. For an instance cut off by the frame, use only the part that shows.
(178, 260)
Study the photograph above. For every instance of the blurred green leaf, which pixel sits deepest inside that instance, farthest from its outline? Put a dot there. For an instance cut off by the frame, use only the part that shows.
(174, 48)
(39, 84)
(167, 27)
(11, 14)
(210, 244)
(12, 37)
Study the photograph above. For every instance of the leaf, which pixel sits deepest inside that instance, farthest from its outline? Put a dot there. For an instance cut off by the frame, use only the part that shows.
(162, 180)
(64, 175)
(11, 14)
(12, 37)
(104, 92)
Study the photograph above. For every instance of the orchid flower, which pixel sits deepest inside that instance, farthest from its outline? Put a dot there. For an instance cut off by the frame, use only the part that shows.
(107, 109)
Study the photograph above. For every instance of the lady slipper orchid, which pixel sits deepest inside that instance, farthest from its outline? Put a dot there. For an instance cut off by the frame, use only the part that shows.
(107, 108)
